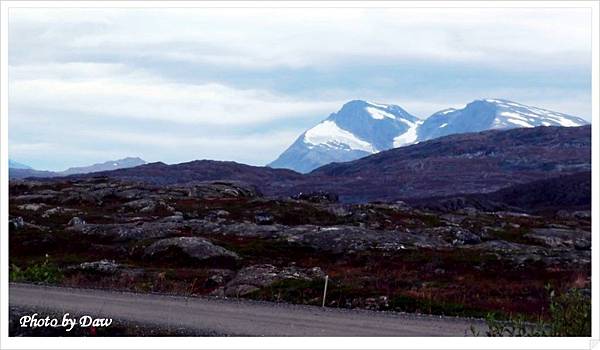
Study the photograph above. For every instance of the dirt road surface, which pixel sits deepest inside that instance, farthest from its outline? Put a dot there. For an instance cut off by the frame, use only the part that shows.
(234, 317)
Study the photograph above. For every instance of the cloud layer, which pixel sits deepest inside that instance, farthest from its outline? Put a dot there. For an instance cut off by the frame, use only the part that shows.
(86, 85)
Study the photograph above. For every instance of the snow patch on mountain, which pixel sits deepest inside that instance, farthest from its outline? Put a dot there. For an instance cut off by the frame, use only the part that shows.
(379, 114)
(536, 115)
(380, 105)
(410, 136)
(328, 134)
(520, 123)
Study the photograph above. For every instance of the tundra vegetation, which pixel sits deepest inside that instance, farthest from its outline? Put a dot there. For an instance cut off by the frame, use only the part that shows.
(225, 239)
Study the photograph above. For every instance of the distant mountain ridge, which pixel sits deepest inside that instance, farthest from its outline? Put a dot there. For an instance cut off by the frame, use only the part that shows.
(361, 128)
(25, 171)
(16, 165)
(127, 162)
(481, 162)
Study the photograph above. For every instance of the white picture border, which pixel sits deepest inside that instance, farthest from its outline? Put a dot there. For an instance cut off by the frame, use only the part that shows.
(288, 342)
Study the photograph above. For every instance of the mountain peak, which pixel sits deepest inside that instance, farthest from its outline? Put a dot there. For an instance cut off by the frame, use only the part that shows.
(374, 110)
(358, 129)
(496, 100)
(360, 108)
(131, 159)
(361, 128)
(492, 113)
(354, 104)
(363, 104)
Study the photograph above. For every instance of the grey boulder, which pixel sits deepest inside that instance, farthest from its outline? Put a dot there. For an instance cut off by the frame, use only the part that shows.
(189, 248)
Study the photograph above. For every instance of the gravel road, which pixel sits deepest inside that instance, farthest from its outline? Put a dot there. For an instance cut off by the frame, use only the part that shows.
(234, 317)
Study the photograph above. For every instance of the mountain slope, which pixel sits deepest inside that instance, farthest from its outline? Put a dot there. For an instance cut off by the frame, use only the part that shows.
(491, 114)
(358, 129)
(568, 192)
(464, 163)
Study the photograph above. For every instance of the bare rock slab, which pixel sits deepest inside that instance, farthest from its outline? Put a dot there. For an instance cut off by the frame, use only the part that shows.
(190, 249)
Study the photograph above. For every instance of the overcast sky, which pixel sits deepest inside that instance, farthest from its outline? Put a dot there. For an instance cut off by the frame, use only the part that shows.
(89, 85)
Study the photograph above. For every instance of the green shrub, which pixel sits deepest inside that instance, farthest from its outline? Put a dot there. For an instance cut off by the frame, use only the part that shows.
(44, 273)
(429, 306)
(569, 316)
(292, 290)
(515, 326)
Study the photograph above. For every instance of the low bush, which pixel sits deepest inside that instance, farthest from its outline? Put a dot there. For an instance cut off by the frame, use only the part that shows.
(569, 316)
(410, 304)
(42, 273)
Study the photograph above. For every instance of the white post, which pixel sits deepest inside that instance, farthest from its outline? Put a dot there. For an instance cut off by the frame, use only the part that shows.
(325, 290)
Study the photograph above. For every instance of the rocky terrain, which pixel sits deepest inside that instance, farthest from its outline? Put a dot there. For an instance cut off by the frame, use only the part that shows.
(227, 239)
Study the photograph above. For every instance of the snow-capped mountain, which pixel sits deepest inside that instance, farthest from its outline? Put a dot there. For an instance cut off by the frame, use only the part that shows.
(362, 128)
(489, 114)
(358, 129)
